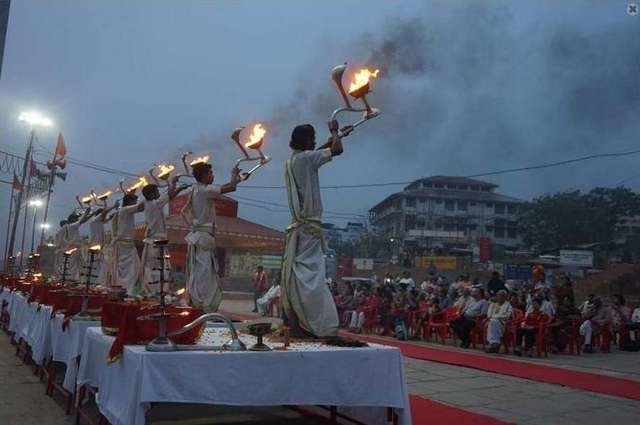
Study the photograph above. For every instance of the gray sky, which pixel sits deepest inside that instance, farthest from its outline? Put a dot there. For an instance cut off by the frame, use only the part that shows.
(466, 87)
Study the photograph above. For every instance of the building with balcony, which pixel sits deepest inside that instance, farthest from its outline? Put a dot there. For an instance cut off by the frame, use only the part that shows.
(443, 212)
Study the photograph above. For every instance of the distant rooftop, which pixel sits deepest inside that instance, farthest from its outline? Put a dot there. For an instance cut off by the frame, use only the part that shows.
(450, 181)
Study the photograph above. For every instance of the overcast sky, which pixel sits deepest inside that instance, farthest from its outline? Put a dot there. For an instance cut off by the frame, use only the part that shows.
(466, 87)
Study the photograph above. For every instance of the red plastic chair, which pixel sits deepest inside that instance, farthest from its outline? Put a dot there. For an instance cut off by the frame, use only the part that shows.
(477, 334)
(274, 306)
(439, 324)
(542, 337)
(509, 336)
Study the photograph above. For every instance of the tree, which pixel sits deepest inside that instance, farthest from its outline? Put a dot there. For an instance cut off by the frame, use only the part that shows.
(574, 218)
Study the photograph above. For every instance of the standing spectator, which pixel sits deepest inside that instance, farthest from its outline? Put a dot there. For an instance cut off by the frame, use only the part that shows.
(499, 314)
(260, 283)
(495, 284)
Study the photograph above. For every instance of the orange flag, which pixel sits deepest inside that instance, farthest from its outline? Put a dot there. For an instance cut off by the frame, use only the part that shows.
(61, 148)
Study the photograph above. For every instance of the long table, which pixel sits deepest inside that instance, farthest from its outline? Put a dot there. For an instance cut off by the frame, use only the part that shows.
(362, 382)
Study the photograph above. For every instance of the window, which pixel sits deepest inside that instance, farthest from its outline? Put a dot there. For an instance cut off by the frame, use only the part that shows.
(451, 186)
(475, 187)
(499, 209)
(439, 185)
(512, 233)
(499, 232)
(473, 204)
(410, 202)
(489, 205)
(420, 222)
(462, 205)
(428, 185)
(409, 222)
(463, 187)
(439, 201)
(511, 209)
(449, 205)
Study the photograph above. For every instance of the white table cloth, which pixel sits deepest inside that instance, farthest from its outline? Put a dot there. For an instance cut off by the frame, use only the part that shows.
(68, 346)
(40, 335)
(17, 304)
(367, 379)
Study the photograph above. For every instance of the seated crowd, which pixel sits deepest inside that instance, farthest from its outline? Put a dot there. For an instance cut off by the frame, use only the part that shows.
(521, 315)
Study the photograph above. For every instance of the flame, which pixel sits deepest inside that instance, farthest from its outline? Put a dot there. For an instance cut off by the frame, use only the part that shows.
(184, 313)
(142, 181)
(361, 79)
(165, 170)
(256, 136)
(87, 199)
(96, 247)
(180, 292)
(200, 160)
(105, 195)
(37, 275)
(71, 251)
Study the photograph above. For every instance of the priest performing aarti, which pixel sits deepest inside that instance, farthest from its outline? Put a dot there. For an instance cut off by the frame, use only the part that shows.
(308, 304)
(73, 243)
(96, 238)
(203, 282)
(156, 228)
(126, 263)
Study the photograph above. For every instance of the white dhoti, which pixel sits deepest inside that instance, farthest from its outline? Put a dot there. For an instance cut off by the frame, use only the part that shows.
(97, 269)
(150, 277)
(495, 330)
(126, 266)
(304, 288)
(203, 283)
(75, 265)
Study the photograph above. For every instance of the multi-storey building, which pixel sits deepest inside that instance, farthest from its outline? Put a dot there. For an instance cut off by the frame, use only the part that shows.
(447, 212)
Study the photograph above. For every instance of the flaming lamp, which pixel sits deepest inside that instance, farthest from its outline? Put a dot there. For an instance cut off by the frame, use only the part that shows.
(163, 172)
(358, 89)
(256, 140)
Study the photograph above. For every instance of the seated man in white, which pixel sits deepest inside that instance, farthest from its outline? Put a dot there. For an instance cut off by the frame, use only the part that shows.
(265, 301)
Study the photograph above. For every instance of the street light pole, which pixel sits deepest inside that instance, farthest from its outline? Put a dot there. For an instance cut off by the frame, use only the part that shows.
(33, 119)
(33, 228)
(14, 227)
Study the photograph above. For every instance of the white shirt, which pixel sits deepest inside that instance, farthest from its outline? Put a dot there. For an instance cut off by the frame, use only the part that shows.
(305, 165)
(73, 233)
(96, 230)
(407, 281)
(154, 216)
(202, 205)
(126, 221)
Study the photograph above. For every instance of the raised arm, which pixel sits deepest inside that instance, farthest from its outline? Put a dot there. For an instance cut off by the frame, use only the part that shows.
(233, 183)
(334, 141)
(107, 210)
(86, 215)
(174, 190)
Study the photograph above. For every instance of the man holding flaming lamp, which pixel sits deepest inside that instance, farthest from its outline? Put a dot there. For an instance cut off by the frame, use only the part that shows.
(74, 240)
(200, 213)
(309, 308)
(125, 260)
(96, 238)
(156, 227)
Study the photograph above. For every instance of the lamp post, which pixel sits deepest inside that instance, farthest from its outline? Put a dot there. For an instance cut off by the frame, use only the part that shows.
(33, 119)
(35, 203)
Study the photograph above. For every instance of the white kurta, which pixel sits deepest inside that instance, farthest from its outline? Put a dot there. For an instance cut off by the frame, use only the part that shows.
(156, 228)
(203, 282)
(304, 290)
(74, 240)
(264, 301)
(61, 243)
(498, 316)
(126, 263)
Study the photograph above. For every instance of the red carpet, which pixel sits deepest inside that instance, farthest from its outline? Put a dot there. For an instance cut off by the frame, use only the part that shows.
(542, 373)
(425, 411)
